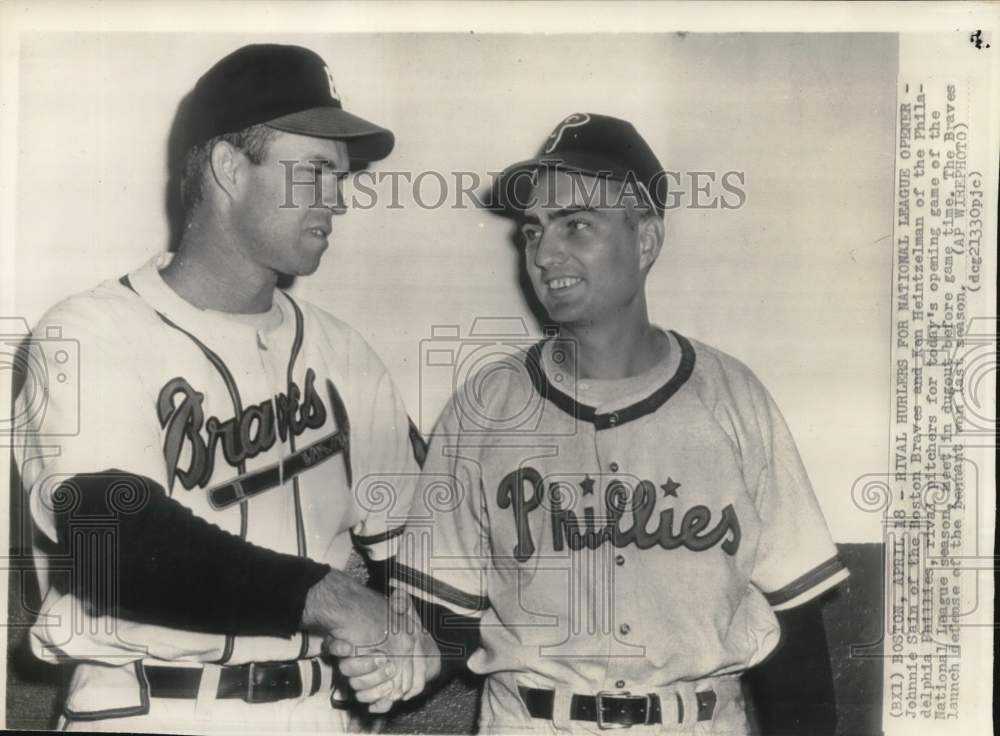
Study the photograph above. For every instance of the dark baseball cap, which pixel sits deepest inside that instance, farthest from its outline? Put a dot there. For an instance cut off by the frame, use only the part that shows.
(592, 144)
(289, 88)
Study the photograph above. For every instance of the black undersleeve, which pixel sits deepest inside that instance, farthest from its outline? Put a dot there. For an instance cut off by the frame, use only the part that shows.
(134, 551)
(792, 689)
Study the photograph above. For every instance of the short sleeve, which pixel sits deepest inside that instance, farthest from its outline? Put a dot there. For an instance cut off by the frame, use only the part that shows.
(445, 548)
(387, 474)
(81, 408)
(796, 558)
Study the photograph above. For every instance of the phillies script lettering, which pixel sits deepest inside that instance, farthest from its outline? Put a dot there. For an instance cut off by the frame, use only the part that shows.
(569, 529)
(251, 432)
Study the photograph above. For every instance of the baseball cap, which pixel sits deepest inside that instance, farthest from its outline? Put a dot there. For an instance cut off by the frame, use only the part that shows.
(592, 144)
(285, 87)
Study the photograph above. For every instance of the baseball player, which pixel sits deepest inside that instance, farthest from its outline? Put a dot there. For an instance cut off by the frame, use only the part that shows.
(645, 533)
(232, 443)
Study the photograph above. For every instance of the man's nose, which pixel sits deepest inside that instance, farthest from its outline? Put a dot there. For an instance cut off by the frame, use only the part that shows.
(333, 196)
(551, 250)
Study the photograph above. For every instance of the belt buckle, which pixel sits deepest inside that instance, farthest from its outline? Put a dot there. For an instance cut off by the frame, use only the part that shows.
(251, 681)
(261, 689)
(605, 726)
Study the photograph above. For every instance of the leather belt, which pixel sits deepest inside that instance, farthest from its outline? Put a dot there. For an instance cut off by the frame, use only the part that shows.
(254, 682)
(614, 708)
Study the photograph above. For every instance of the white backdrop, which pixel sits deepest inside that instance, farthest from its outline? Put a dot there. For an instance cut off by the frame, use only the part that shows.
(795, 283)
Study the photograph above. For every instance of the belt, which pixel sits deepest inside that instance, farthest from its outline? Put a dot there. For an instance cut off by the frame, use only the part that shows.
(254, 682)
(614, 708)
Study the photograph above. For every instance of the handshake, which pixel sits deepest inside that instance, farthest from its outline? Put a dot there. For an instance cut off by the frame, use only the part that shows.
(383, 649)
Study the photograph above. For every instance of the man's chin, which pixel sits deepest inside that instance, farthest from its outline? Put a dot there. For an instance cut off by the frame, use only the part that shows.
(563, 314)
(304, 266)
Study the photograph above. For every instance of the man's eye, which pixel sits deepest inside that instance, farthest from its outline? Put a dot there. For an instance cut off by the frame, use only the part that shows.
(531, 234)
(576, 225)
(315, 171)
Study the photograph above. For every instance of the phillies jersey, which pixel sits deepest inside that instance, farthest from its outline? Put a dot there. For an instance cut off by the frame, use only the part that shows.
(282, 428)
(639, 542)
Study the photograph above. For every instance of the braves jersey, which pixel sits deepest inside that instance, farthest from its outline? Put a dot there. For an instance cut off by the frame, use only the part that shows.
(637, 542)
(282, 428)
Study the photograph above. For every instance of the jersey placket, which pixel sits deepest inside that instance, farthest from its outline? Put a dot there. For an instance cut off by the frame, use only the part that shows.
(272, 361)
(271, 349)
(278, 358)
(618, 562)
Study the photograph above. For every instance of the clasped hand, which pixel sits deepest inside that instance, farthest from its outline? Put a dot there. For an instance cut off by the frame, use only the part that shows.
(384, 651)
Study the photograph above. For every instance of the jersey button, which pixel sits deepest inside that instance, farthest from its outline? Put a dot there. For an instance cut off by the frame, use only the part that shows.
(625, 629)
(620, 560)
(613, 467)
(620, 684)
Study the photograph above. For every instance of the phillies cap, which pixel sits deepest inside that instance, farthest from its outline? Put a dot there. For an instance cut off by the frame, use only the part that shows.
(596, 145)
(285, 87)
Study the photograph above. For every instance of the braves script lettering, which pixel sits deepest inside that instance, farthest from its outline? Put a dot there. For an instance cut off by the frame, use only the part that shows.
(568, 529)
(244, 436)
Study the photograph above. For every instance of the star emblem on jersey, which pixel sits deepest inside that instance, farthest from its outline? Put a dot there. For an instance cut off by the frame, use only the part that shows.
(633, 514)
(670, 487)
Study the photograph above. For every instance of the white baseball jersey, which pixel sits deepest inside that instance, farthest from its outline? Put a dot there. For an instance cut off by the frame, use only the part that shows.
(282, 428)
(610, 541)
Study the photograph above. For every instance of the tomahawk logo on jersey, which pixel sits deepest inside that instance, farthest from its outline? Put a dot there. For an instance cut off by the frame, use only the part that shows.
(648, 547)
(267, 426)
(247, 434)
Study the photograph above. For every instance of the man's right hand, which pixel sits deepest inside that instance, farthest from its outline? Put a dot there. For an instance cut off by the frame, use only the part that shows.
(382, 678)
(386, 652)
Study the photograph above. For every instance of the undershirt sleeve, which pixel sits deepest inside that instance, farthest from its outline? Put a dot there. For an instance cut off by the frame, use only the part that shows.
(792, 689)
(457, 636)
(168, 567)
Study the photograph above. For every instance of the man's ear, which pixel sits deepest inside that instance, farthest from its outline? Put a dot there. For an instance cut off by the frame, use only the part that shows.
(225, 162)
(650, 241)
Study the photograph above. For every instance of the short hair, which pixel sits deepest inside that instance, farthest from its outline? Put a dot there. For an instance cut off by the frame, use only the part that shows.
(252, 141)
(635, 200)
(637, 212)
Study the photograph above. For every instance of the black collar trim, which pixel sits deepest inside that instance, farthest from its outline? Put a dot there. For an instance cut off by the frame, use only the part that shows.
(616, 418)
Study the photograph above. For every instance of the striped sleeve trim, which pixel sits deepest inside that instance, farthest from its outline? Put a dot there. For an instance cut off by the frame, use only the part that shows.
(806, 587)
(437, 591)
(373, 539)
